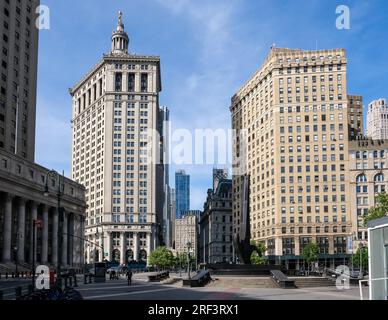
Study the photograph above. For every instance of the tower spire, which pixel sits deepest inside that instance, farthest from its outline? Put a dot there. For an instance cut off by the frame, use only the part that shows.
(120, 25)
(120, 38)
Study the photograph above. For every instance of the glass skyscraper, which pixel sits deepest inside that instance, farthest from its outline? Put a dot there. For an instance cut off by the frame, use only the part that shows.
(182, 187)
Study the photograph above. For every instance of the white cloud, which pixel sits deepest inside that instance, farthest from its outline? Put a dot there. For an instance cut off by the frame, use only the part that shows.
(211, 21)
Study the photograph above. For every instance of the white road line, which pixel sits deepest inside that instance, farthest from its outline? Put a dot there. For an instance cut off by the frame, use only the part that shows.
(116, 287)
(126, 294)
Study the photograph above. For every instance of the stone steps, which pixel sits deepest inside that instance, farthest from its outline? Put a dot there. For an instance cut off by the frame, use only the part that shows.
(311, 282)
(242, 282)
(171, 281)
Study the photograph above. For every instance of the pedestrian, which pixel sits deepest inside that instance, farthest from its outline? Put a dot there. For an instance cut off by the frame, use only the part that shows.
(129, 277)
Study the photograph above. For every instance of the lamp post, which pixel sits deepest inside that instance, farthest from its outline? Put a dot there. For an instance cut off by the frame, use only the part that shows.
(35, 224)
(102, 243)
(16, 249)
(180, 265)
(361, 246)
(188, 259)
(59, 193)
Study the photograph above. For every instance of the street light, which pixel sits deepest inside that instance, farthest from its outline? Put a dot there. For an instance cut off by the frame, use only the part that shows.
(188, 259)
(16, 249)
(102, 244)
(35, 223)
(361, 246)
(60, 191)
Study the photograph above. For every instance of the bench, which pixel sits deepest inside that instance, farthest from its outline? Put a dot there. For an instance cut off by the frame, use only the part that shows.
(199, 280)
(281, 279)
(158, 276)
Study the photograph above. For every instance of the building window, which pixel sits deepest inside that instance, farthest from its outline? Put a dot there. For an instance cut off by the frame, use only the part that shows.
(144, 82)
(131, 82)
(118, 82)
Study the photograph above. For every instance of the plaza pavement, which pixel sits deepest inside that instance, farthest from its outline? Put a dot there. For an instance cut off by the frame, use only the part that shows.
(142, 290)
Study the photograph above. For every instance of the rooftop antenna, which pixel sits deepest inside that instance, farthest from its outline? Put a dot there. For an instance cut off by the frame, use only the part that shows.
(273, 46)
(316, 45)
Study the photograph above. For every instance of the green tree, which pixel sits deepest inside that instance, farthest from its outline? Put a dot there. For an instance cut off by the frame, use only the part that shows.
(310, 254)
(181, 260)
(360, 258)
(162, 258)
(379, 211)
(258, 259)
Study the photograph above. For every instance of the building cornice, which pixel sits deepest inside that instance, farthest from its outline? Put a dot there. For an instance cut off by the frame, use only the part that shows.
(75, 88)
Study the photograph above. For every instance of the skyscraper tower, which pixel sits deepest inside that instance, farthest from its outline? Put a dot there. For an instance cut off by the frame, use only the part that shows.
(18, 82)
(377, 120)
(182, 193)
(114, 107)
(29, 193)
(294, 112)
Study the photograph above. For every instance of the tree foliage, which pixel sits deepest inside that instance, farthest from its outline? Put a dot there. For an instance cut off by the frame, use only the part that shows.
(259, 259)
(181, 260)
(162, 258)
(310, 254)
(379, 211)
(360, 258)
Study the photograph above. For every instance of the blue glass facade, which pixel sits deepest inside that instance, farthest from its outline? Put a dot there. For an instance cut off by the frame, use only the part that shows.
(182, 190)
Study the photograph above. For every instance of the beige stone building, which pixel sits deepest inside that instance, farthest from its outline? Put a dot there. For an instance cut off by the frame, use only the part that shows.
(216, 222)
(186, 231)
(114, 107)
(292, 120)
(377, 120)
(22, 182)
(368, 178)
(22, 200)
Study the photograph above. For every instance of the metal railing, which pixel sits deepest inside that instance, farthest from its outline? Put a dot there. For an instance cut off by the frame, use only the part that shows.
(369, 283)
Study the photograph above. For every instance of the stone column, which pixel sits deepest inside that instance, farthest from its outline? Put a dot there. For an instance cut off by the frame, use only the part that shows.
(153, 237)
(108, 248)
(137, 82)
(125, 81)
(21, 229)
(34, 216)
(331, 244)
(135, 246)
(54, 246)
(87, 254)
(297, 246)
(148, 247)
(71, 240)
(45, 235)
(64, 239)
(123, 246)
(7, 228)
(76, 252)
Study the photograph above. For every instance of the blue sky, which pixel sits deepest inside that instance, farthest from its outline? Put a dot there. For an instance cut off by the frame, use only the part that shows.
(208, 50)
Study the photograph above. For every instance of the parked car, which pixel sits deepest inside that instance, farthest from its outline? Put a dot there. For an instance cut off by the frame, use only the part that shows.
(113, 269)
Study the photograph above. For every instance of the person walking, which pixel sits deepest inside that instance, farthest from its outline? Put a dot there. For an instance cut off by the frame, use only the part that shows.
(129, 277)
